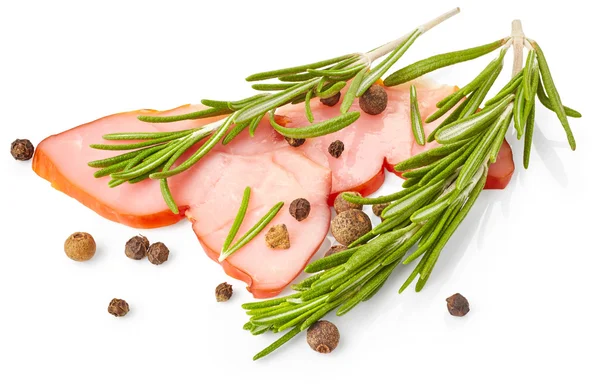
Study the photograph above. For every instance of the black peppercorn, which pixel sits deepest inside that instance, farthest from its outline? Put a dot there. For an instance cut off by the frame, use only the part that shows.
(332, 100)
(374, 100)
(158, 253)
(223, 292)
(457, 305)
(22, 149)
(137, 247)
(378, 208)
(295, 142)
(323, 336)
(118, 307)
(336, 148)
(300, 208)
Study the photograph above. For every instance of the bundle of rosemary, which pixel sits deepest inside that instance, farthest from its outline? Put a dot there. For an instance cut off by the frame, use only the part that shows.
(441, 186)
(154, 155)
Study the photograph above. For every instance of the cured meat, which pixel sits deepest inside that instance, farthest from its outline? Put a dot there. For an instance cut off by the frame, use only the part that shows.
(375, 143)
(209, 193)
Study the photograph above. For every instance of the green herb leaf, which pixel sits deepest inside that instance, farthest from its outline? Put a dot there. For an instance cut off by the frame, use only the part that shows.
(545, 100)
(529, 128)
(296, 69)
(282, 340)
(415, 117)
(430, 64)
(307, 109)
(350, 94)
(274, 87)
(209, 112)
(317, 129)
(553, 93)
(467, 127)
(239, 219)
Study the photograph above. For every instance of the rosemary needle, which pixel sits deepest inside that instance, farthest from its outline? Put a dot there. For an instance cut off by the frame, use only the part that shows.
(415, 117)
(237, 222)
(228, 248)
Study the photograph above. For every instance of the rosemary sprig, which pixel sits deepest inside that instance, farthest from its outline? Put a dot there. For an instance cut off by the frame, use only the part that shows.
(155, 155)
(443, 185)
(229, 249)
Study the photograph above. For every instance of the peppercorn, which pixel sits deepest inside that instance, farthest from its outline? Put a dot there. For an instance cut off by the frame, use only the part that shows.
(137, 247)
(374, 100)
(335, 249)
(158, 253)
(323, 336)
(378, 208)
(223, 292)
(336, 148)
(350, 225)
(21, 149)
(340, 204)
(457, 305)
(332, 100)
(80, 246)
(278, 237)
(118, 307)
(300, 208)
(295, 142)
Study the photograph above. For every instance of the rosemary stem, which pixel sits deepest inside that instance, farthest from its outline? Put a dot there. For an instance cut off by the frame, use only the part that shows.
(208, 129)
(388, 47)
(518, 43)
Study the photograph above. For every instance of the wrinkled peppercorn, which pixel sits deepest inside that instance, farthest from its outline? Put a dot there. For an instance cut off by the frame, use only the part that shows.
(378, 208)
(295, 142)
(223, 292)
(323, 336)
(158, 253)
(278, 237)
(336, 148)
(22, 149)
(137, 247)
(374, 100)
(457, 305)
(80, 246)
(340, 204)
(118, 307)
(300, 208)
(332, 100)
(335, 249)
(350, 225)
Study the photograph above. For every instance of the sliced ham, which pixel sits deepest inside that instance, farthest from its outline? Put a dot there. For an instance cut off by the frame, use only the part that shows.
(209, 194)
(375, 143)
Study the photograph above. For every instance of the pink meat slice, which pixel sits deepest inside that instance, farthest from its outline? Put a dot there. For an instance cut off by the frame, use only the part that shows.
(209, 194)
(273, 177)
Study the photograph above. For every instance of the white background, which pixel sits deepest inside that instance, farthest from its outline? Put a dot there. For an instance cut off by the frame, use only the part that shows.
(526, 257)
